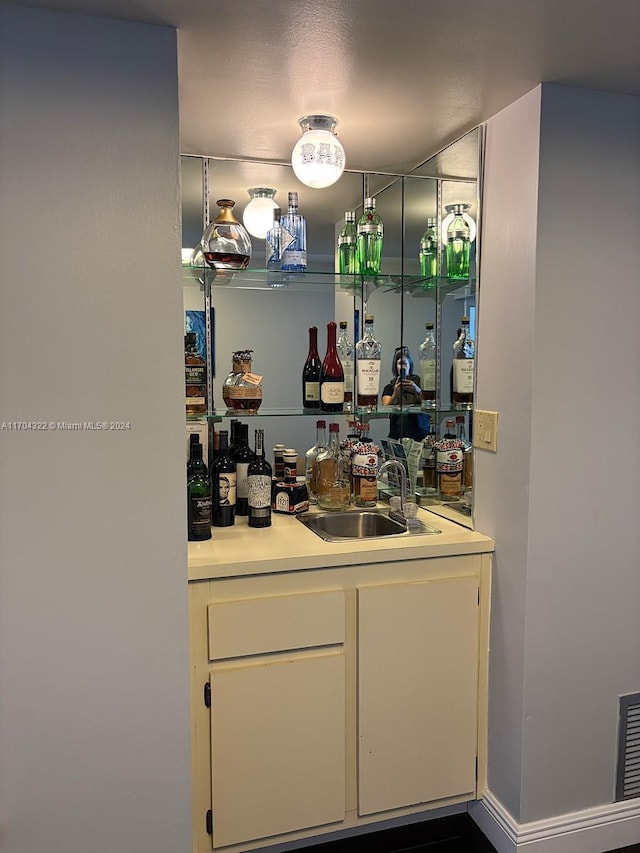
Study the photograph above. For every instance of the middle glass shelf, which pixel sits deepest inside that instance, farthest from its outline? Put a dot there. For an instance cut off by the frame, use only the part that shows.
(381, 412)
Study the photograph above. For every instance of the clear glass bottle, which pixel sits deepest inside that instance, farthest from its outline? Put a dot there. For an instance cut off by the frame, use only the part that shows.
(294, 256)
(467, 468)
(246, 392)
(449, 463)
(370, 237)
(368, 361)
(348, 245)
(462, 368)
(311, 460)
(428, 254)
(259, 486)
(311, 373)
(195, 370)
(226, 244)
(331, 375)
(345, 353)
(427, 360)
(458, 249)
(332, 487)
(277, 240)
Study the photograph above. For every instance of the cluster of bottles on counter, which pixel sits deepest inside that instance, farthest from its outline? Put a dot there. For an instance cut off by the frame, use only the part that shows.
(447, 462)
(328, 384)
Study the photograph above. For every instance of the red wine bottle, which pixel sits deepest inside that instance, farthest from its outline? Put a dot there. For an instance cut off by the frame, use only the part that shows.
(242, 456)
(331, 375)
(259, 486)
(223, 484)
(311, 373)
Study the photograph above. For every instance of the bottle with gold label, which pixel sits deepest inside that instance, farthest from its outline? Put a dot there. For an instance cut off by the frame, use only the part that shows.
(246, 392)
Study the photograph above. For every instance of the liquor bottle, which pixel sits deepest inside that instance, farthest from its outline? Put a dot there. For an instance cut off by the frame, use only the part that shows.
(467, 467)
(259, 486)
(194, 438)
(331, 375)
(332, 487)
(428, 368)
(462, 368)
(294, 256)
(364, 471)
(226, 243)
(370, 235)
(345, 354)
(231, 379)
(195, 370)
(223, 484)
(242, 456)
(458, 243)
(311, 460)
(246, 392)
(429, 481)
(428, 254)
(449, 463)
(368, 360)
(348, 245)
(311, 373)
(198, 498)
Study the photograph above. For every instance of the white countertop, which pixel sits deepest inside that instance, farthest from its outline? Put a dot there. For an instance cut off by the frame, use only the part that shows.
(289, 546)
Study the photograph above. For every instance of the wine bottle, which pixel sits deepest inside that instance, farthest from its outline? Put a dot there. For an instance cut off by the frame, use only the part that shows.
(368, 359)
(259, 486)
(198, 498)
(294, 256)
(242, 456)
(223, 484)
(311, 373)
(331, 375)
(194, 438)
(345, 354)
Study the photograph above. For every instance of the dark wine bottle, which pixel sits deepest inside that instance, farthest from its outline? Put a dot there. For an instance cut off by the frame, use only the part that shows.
(194, 438)
(331, 375)
(242, 455)
(311, 373)
(198, 498)
(259, 486)
(223, 484)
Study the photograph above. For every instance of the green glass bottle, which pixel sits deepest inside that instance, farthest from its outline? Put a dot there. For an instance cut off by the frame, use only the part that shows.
(348, 245)
(198, 497)
(428, 254)
(370, 236)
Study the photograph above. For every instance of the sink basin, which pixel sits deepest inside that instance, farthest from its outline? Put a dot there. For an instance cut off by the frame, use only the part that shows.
(360, 524)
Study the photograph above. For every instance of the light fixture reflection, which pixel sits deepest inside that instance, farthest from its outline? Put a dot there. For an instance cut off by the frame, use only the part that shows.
(318, 157)
(258, 214)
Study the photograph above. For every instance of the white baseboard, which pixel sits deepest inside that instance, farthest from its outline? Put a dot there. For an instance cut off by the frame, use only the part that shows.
(594, 830)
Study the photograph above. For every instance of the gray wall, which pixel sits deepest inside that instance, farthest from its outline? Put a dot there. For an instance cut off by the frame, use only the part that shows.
(94, 720)
(557, 358)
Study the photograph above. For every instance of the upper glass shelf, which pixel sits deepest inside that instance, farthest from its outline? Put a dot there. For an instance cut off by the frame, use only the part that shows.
(381, 412)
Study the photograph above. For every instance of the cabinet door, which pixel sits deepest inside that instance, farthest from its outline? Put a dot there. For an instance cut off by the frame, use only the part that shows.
(278, 747)
(417, 688)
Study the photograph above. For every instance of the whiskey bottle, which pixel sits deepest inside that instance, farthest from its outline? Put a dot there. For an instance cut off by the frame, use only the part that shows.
(364, 472)
(294, 256)
(311, 461)
(462, 368)
(231, 379)
(333, 488)
(370, 236)
(449, 463)
(195, 370)
(348, 245)
(259, 486)
(428, 368)
(198, 498)
(368, 360)
(311, 373)
(428, 254)
(345, 353)
(223, 484)
(242, 456)
(331, 375)
(246, 392)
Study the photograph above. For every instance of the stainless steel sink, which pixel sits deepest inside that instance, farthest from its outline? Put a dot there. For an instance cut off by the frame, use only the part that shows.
(361, 524)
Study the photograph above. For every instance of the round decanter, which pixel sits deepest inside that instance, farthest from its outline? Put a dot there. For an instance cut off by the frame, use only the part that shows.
(246, 392)
(225, 243)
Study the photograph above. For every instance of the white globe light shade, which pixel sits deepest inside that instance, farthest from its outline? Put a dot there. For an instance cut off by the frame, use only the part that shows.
(258, 214)
(318, 157)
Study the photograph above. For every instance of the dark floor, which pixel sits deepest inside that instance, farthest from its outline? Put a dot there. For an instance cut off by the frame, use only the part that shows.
(455, 834)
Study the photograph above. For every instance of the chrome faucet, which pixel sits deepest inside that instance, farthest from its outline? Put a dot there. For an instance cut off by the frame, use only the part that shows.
(394, 463)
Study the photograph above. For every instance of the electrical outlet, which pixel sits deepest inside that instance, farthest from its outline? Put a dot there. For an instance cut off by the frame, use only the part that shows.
(485, 430)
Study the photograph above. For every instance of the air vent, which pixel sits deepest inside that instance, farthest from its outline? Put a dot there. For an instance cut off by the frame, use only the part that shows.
(628, 774)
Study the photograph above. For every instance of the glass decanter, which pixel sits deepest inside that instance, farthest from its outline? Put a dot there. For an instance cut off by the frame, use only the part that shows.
(226, 243)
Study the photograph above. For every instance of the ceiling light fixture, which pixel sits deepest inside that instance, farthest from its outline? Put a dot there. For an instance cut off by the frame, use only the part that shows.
(258, 214)
(318, 156)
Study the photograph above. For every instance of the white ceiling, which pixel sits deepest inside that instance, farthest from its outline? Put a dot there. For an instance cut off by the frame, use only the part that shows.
(403, 77)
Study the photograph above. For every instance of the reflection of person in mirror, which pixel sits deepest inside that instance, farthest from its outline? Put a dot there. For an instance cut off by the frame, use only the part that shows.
(404, 391)
(223, 491)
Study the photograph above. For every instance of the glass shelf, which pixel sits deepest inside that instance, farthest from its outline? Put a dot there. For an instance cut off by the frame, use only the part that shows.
(381, 412)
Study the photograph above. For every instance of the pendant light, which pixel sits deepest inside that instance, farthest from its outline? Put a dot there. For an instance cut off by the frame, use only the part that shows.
(258, 214)
(318, 156)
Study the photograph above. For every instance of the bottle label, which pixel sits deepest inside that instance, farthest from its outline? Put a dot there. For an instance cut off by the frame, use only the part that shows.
(312, 391)
(241, 479)
(226, 488)
(294, 258)
(450, 484)
(370, 228)
(200, 514)
(428, 374)
(332, 392)
(346, 239)
(368, 376)
(366, 488)
(194, 401)
(259, 492)
(245, 392)
(463, 375)
(449, 459)
(195, 374)
(252, 378)
(347, 366)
